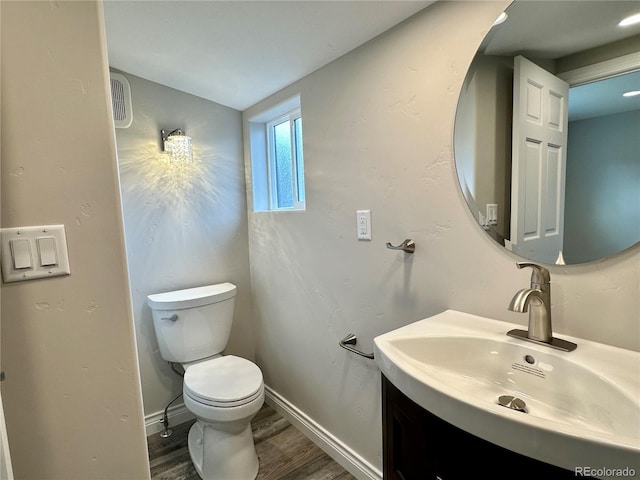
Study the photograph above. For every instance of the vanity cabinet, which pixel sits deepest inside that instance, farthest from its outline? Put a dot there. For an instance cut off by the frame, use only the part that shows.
(417, 445)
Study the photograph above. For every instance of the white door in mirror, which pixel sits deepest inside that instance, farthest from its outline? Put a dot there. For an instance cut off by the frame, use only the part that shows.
(539, 158)
(34, 252)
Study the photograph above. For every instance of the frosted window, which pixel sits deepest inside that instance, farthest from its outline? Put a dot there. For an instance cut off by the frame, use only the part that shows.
(277, 162)
(286, 165)
(283, 164)
(297, 129)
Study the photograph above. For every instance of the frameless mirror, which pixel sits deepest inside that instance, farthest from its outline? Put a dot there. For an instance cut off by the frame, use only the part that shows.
(547, 147)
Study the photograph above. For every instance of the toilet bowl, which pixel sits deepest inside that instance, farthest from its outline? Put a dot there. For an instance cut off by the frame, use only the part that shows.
(223, 392)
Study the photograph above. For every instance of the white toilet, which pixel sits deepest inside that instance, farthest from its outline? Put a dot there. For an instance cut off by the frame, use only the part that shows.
(223, 392)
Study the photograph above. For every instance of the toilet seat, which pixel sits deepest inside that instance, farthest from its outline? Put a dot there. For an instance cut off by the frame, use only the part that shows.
(224, 382)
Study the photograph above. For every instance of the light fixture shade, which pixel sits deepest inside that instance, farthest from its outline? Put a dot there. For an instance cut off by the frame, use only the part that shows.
(178, 145)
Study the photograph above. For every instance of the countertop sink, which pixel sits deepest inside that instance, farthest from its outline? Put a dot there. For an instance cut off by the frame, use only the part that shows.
(582, 407)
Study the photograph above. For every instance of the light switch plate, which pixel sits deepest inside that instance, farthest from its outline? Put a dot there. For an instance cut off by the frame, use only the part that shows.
(48, 248)
(492, 213)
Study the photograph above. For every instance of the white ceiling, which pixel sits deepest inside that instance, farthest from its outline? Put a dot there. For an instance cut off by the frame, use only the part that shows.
(604, 97)
(555, 29)
(239, 52)
(563, 28)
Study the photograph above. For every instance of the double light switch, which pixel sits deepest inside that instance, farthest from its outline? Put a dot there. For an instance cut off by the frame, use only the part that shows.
(34, 252)
(22, 257)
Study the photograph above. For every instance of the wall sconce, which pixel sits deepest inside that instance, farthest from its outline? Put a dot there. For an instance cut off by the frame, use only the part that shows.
(178, 145)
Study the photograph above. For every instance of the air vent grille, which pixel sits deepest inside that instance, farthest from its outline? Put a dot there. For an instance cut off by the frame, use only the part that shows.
(121, 100)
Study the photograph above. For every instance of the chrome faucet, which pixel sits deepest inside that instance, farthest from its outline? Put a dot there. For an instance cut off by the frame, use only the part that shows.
(537, 301)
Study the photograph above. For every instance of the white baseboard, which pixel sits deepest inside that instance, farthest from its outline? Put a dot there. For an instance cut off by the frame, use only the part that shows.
(336, 449)
(177, 414)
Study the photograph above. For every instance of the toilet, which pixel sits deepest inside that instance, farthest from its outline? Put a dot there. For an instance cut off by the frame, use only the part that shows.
(223, 392)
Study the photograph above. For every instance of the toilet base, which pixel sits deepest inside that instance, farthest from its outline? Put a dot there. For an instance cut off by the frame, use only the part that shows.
(223, 451)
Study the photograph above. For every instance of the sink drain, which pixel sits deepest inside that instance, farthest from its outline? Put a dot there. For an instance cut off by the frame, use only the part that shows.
(514, 403)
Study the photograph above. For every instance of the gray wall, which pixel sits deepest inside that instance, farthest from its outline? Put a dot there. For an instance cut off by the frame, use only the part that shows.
(378, 133)
(602, 199)
(72, 394)
(482, 148)
(185, 226)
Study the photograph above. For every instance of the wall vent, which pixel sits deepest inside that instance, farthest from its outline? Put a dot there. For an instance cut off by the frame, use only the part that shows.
(121, 100)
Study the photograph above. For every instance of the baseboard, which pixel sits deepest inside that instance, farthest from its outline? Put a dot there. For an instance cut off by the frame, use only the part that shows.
(177, 414)
(336, 449)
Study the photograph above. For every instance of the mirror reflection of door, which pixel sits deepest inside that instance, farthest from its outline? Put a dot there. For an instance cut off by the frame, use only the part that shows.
(583, 43)
(539, 156)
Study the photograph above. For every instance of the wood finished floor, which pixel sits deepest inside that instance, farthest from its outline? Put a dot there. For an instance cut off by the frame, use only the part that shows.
(283, 451)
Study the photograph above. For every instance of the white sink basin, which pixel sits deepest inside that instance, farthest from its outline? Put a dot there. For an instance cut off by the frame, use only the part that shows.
(582, 407)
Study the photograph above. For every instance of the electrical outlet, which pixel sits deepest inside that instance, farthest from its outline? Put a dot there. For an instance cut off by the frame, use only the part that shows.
(363, 224)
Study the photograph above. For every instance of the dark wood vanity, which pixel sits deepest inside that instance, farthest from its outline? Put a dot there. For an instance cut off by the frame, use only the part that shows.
(417, 445)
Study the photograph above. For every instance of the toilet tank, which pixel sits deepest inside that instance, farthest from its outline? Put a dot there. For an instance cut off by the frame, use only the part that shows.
(194, 323)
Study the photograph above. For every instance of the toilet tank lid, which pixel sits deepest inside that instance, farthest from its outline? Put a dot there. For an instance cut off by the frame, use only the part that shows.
(191, 297)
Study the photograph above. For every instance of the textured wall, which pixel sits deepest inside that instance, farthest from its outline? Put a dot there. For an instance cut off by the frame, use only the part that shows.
(72, 394)
(378, 133)
(185, 227)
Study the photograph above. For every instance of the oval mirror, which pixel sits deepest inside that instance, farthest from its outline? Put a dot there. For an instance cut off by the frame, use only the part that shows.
(547, 131)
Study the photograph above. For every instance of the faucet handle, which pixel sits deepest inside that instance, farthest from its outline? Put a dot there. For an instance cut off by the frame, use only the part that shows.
(539, 276)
